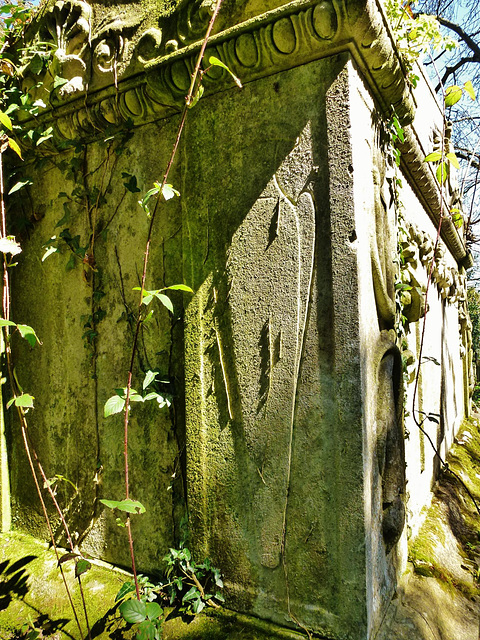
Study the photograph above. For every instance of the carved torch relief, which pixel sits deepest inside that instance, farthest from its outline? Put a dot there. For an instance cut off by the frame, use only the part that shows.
(67, 26)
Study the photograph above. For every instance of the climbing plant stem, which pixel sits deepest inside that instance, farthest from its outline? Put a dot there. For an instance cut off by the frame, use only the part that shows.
(418, 422)
(14, 387)
(188, 101)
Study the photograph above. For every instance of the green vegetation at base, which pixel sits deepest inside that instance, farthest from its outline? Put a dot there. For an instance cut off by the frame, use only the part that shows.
(453, 515)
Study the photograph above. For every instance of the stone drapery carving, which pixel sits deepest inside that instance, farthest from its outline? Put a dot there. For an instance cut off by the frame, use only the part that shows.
(452, 187)
(390, 438)
(418, 249)
(382, 247)
(451, 284)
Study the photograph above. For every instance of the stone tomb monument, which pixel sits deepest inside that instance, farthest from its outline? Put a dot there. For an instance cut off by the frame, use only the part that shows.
(286, 437)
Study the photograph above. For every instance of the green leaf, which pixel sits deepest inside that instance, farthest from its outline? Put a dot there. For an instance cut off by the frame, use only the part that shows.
(46, 136)
(197, 96)
(452, 95)
(5, 121)
(147, 298)
(133, 611)
(154, 610)
(442, 172)
(11, 107)
(7, 323)
(29, 334)
(398, 129)
(58, 476)
(147, 630)
(49, 251)
(66, 557)
(457, 219)
(10, 245)
(435, 156)
(163, 401)
(25, 401)
(453, 159)
(165, 300)
(19, 185)
(127, 505)
(151, 396)
(70, 263)
(148, 195)
(215, 62)
(198, 605)
(149, 378)
(191, 594)
(36, 64)
(126, 588)
(468, 87)
(115, 404)
(148, 318)
(169, 192)
(179, 287)
(81, 567)
(59, 82)
(14, 146)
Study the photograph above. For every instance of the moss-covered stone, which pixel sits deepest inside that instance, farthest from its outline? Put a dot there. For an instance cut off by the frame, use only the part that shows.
(32, 594)
(441, 594)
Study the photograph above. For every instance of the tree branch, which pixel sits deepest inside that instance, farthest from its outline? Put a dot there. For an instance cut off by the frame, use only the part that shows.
(465, 154)
(463, 35)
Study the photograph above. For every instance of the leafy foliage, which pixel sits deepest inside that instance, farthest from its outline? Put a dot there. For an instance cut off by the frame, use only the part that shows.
(415, 34)
(199, 583)
(187, 585)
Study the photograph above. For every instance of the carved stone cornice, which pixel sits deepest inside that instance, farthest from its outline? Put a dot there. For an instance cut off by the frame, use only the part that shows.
(125, 67)
(426, 186)
(120, 74)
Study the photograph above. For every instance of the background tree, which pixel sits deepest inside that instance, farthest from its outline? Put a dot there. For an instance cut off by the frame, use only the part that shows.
(461, 20)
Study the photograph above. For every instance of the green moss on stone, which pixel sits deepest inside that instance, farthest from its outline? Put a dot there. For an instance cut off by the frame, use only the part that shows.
(453, 510)
(31, 590)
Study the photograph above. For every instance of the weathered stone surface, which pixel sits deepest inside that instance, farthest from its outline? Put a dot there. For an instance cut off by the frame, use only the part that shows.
(71, 378)
(32, 594)
(259, 419)
(438, 598)
(285, 440)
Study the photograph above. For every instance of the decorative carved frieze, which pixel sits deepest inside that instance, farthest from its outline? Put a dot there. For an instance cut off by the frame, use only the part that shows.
(425, 184)
(146, 73)
(125, 66)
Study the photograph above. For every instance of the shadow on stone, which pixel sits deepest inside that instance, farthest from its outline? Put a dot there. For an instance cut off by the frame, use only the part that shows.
(14, 586)
(13, 580)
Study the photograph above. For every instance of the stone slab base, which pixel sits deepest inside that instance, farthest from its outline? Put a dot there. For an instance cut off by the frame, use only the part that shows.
(32, 593)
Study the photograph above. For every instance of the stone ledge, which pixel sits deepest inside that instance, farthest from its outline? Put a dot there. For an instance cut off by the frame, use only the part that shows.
(153, 79)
